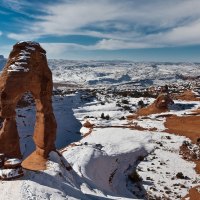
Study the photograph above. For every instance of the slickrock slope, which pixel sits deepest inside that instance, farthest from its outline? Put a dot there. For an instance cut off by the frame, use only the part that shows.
(187, 95)
(27, 71)
(188, 126)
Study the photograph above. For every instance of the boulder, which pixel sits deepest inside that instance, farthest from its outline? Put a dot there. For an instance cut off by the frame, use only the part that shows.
(27, 70)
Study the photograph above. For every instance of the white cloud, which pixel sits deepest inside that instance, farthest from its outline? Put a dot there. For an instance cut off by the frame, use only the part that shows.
(1, 33)
(62, 50)
(75, 18)
(179, 36)
(104, 44)
(23, 36)
(120, 24)
(112, 44)
(189, 34)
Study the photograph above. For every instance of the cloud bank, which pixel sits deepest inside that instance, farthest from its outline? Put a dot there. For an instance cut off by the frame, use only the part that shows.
(127, 24)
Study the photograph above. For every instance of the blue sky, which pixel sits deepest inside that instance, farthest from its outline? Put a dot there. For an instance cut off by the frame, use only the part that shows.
(139, 30)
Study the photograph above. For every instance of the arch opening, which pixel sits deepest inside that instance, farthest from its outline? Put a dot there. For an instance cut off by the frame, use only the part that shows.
(25, 117)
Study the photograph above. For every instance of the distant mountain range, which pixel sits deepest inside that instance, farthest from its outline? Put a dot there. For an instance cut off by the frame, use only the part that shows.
(2, 61)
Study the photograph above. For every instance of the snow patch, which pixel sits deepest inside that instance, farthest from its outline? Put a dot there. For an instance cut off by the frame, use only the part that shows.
(17, 68)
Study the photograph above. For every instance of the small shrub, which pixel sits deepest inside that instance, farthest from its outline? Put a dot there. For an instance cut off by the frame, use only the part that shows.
(102, 116)
(107, 117)
(141, 104)
(186, 143)
(126, 108)
(135, 177)
(180, 175)
(140, 158)
(124, 101)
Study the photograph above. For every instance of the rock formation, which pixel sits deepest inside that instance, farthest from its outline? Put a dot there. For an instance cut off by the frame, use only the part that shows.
(187, 95)
(163, 100)
(27, 71)
(160, 104)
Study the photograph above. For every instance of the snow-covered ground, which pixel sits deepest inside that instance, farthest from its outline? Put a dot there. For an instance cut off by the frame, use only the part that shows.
(68, 129)
(121, 73)
(112, 159)
(105, 162)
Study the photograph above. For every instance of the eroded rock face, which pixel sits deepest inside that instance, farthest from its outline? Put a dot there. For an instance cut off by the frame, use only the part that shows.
(27, 71)
(159, 105)
(163, 100)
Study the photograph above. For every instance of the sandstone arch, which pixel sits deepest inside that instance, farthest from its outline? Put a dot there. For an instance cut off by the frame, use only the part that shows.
(27, 71)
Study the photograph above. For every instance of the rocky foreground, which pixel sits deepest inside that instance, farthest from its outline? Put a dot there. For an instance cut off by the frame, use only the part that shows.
(117, 138)
(124, 149)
